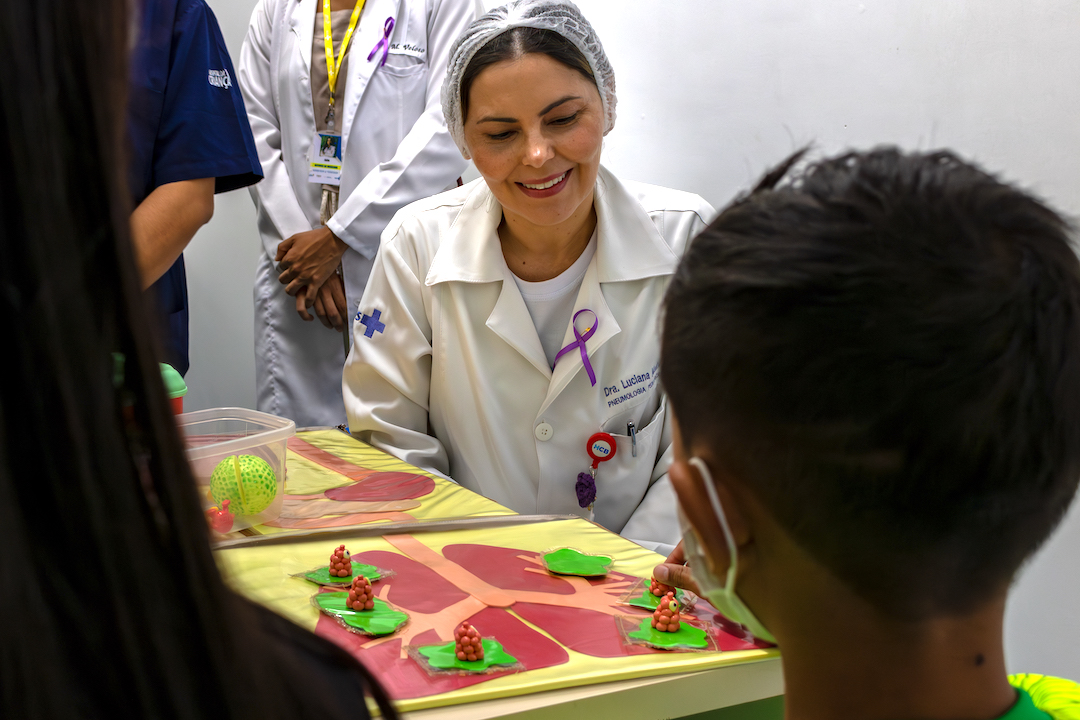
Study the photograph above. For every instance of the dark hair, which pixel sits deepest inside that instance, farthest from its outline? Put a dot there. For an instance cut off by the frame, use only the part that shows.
(886, 352)
(518, 42)
(112, 602)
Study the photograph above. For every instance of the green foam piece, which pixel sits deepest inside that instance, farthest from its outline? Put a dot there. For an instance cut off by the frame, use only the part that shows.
(649, 601)
(686, 636)
(322, 575)
(443, 657)
(381, 620)
(174, 381)
(259, 484)
(568, 561)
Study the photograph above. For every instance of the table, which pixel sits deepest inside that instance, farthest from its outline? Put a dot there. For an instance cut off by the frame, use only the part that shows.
(459, 556)
(745, 691)
(562, 630)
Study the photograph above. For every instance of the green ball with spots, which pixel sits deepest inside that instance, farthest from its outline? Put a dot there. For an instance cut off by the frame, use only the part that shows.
(247, 481)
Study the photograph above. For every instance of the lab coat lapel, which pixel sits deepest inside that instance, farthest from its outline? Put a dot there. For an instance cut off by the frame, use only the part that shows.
(366, 36)
(590, 296)
(628, 247)
(470, 252)
(302, 23)
(510, 320)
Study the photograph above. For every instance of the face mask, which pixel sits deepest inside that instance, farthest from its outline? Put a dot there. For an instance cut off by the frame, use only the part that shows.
(720, 596)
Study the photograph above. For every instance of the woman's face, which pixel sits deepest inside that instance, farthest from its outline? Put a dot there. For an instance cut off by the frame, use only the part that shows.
(534, 129)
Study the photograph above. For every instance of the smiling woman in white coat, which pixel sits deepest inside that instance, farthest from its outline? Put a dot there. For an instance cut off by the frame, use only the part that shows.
(511, 323)
(319, 238)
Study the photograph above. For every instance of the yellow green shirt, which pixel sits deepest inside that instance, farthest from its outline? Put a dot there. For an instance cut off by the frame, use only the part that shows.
(1024, 709)
(1040, 697)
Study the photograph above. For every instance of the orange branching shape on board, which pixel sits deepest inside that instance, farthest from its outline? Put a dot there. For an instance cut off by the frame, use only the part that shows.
(442, 622)
(600, 597)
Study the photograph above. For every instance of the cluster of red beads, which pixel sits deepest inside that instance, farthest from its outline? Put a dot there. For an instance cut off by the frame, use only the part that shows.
(659, 589)
(341, 563)
(666, 616)
(361, 596)
(467, 643)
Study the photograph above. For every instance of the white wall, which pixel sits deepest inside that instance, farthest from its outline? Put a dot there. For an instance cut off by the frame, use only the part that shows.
(713, 91)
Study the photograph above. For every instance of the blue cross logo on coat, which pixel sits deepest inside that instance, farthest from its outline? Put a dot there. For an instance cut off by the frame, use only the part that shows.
(371, 322)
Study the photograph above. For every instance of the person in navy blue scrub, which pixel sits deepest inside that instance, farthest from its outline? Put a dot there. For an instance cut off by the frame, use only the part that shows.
(189, 138)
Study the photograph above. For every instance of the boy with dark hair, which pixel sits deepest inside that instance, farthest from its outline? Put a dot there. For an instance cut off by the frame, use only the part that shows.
(875, 375)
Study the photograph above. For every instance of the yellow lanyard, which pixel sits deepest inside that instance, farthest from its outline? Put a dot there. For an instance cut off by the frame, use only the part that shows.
(328, 43)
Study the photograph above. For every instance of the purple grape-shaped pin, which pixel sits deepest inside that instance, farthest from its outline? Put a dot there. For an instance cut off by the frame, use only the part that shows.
(586, 489)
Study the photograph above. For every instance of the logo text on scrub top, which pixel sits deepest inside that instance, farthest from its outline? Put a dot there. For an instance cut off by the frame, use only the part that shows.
(634, 385)
(219, 79)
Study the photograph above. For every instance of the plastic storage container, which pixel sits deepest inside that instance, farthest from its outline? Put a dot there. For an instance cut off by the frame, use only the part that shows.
(216, 435)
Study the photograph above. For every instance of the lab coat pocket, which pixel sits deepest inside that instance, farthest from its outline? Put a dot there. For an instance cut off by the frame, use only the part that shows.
(401, 85)
(622, 482)
(403, 66)
(641, 447)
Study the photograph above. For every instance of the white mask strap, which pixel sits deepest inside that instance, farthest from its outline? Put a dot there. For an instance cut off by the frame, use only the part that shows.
(718, 510)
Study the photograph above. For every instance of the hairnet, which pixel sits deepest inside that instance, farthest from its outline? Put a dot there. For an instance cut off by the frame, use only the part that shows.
(559, 16)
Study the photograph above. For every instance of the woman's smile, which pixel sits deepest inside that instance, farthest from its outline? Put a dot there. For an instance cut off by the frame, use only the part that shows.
(546, 187)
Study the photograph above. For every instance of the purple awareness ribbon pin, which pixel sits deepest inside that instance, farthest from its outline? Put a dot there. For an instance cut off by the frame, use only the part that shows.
(384, 41)
(579, 343)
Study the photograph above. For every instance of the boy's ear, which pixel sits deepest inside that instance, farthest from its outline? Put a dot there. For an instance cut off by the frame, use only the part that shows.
(689, 485)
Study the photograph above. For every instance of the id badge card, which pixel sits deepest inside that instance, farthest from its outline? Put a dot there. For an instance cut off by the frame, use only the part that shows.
(325, 161)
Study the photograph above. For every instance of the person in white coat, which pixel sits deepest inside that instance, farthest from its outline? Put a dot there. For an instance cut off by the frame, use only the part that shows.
(509, 321)
(319, 238)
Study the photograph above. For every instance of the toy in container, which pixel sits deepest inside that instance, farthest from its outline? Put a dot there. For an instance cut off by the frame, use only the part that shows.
(238, 457)
(220, 519)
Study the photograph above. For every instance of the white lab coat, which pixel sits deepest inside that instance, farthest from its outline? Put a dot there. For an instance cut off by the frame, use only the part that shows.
(396, 149)
(455, 379)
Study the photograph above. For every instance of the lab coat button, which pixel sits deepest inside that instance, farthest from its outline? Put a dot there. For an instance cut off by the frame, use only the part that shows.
(544, 431)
